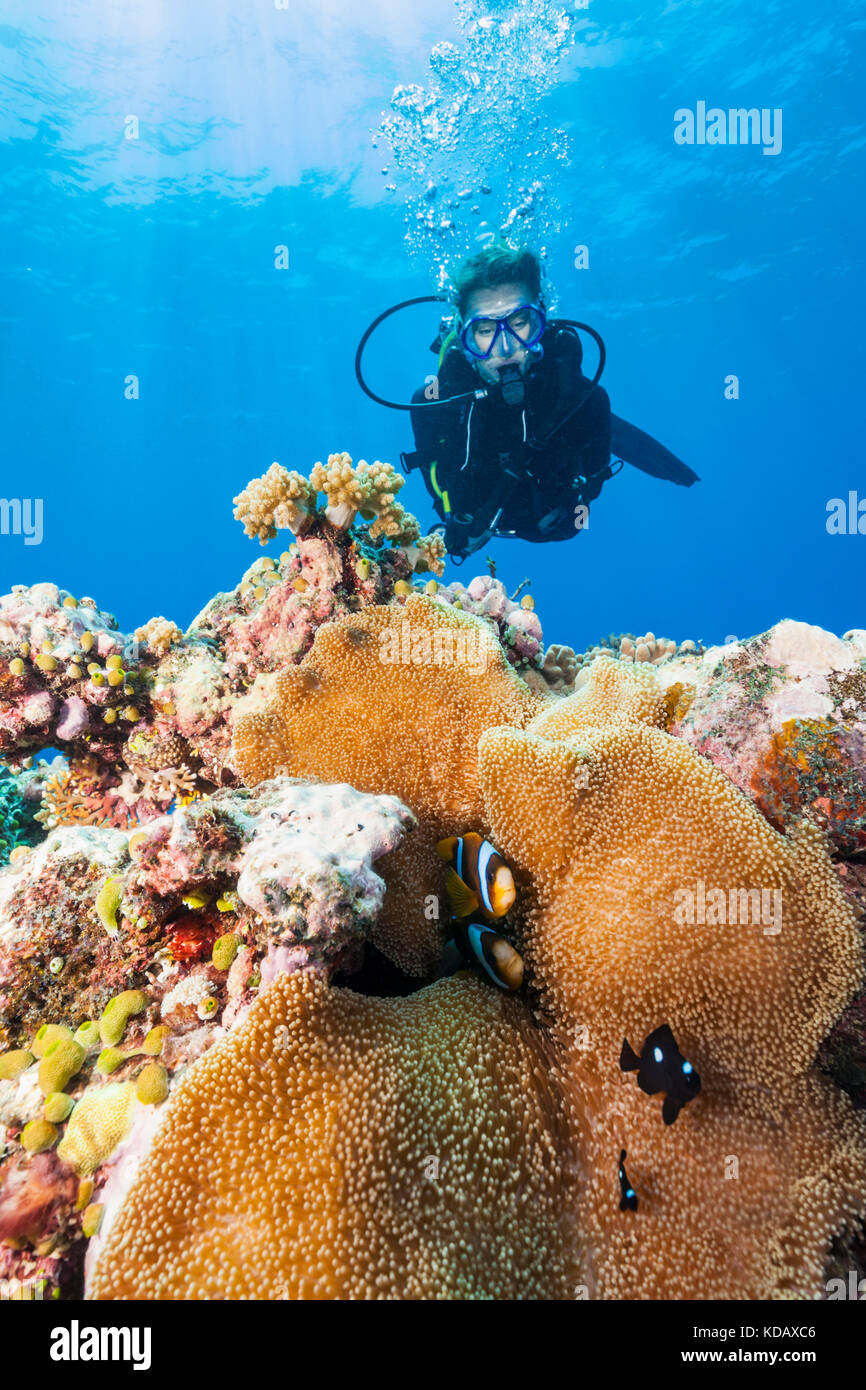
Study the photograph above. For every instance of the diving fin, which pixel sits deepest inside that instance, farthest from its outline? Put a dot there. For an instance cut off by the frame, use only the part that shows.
(639, 449)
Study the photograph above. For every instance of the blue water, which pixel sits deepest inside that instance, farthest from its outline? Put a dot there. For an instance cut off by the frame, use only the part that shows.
(155, 257)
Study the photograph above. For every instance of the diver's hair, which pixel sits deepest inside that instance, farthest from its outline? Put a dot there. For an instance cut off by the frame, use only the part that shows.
(497, 264)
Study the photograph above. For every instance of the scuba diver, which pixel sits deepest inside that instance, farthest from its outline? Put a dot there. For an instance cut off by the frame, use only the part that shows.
(511, 438)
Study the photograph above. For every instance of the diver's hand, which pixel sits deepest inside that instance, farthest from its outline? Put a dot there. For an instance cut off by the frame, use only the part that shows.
(456, 536)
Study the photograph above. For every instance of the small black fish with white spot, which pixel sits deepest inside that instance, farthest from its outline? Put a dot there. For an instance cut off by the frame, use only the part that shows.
(662, 1067)
(628, 1196)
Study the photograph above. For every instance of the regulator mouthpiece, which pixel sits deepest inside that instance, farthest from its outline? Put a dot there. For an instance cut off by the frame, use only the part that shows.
(511, 385)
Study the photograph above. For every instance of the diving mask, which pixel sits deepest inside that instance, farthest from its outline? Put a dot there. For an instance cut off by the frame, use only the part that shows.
(522, 327)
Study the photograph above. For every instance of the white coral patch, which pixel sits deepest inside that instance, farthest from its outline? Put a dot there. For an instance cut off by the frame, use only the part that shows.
(806, 650)
(801, 701)
(318, 842)
(193, 990)
(21, 1100)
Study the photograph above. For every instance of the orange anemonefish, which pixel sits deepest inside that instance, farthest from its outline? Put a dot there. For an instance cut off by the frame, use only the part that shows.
(479, 880)
(480, 884)
(483, 946)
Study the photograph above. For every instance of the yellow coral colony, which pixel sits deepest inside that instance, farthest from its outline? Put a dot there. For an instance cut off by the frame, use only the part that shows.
(388, 1148)
(607, 692)
(368, 488)
(282, 500)
(620, 828)
(160, 634)
(390, 699)
(279, 500)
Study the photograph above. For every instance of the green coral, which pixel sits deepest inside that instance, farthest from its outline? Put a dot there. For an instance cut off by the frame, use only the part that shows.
(13, 1063)
(47, 1035)
(57, 1107)
(225, 948)
(91, 1219)
(18, 823)
(117, 1013)
(87, 1035)
(153, 1043)
(100, 1121)
(59, 1064)
(151, 1086)
(109, 1059)
(38, 1136)
(108, 901)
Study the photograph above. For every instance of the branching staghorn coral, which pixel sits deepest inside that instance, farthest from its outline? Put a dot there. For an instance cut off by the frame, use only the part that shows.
(167, 783)
(80, 795)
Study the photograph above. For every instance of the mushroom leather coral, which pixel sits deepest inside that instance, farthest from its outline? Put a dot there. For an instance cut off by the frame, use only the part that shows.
(740, 1198)
(388, 1148)
(331, 1104)
(356, 710)
(608, 694)
(350, 713)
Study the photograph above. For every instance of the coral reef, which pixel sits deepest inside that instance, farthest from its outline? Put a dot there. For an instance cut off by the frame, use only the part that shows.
(748, 994)
(223, 923)
(780, 1153)
(784, 715)
(20, 802)
(516, 625)
(350, 712)
(69, 677)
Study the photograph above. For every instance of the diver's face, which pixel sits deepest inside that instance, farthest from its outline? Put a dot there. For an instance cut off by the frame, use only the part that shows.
(495, 304)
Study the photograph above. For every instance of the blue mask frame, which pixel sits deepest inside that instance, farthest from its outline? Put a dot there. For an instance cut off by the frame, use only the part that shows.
(503, 330)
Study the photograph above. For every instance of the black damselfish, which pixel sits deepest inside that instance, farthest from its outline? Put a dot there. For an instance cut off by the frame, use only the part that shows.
(662, 1067)
(628, 1196)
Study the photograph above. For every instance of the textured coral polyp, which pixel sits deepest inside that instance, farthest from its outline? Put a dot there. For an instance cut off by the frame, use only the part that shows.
(371, 706)
(643, 825)
(390, 1148)
(458, 1144)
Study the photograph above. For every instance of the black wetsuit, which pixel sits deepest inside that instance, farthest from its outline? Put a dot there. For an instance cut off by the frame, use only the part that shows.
(533, 464)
